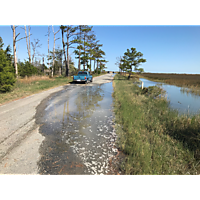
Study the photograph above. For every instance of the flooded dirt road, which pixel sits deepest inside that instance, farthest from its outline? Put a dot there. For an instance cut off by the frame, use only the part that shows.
(77, 124)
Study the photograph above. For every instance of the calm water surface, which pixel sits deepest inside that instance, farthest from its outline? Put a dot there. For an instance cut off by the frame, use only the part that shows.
(183, 102)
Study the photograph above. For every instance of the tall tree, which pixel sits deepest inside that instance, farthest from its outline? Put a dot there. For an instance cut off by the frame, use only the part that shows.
(102, 65)
(135, 58)
(80, 27)
(98, 54)
(89, 48)
(35, 45)
(70, 31)
(83, 34)
(13, 27)
(54, 43)
(86, 36)
(28, 43)
(63, 42)
(7, 78)
(48, 34)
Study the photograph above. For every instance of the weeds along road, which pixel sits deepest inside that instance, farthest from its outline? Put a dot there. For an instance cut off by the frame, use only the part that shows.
(65, 130)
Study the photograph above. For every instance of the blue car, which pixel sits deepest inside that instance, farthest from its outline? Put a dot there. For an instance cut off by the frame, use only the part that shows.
(83, 76)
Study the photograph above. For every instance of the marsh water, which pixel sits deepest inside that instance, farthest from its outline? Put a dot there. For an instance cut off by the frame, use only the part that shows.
(185, 103)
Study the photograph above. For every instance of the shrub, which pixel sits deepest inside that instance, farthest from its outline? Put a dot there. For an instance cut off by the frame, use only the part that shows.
(7, 77)
(27, 69)
(7, 81)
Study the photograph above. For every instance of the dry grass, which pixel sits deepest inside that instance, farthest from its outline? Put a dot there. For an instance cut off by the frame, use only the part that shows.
(28, 80)
(186, 80)
(28, 86)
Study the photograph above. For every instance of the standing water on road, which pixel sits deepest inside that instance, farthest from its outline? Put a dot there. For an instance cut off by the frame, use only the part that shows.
(183, 102)
(78, 128)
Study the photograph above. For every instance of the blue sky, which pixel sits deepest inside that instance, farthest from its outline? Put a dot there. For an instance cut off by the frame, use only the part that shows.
(168, 49)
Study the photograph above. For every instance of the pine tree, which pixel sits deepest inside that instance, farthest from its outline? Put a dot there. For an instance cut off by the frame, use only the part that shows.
(7, 78)
(134, 58)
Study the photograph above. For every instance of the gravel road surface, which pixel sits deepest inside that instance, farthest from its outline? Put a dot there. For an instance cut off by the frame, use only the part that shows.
(65, 130)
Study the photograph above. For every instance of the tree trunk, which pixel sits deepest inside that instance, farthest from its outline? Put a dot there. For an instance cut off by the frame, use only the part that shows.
(61, 68)
(14, 51)
(53, 53)
(43, 64)
(94, 65)
(67, 70)
(90, 65)
(64, 49)
(84, 54)
(29, 35)
(48, 48)
(97, 67)
(79, 60)
(28, 48)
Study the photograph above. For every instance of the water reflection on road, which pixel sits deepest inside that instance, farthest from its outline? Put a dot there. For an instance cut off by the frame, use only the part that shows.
(185, 103)
(78, 129)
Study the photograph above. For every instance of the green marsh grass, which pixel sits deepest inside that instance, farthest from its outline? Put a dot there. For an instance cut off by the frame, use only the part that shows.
(155, 139)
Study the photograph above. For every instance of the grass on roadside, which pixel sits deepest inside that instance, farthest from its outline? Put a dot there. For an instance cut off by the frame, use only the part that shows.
(155, 139)
(27, 86)
(30, 85)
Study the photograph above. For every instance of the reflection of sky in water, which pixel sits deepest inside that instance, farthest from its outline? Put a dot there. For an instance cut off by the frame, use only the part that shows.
(178, 100)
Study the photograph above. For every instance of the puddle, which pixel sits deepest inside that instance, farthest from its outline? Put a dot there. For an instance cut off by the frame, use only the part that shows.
(78, 127)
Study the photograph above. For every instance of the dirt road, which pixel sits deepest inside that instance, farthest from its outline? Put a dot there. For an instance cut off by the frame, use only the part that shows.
(65, 130)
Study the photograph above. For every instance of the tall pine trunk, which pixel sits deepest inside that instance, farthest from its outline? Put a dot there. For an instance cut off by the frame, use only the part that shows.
(84, 54)
(79, 60)
(64, 50)
(67, 70)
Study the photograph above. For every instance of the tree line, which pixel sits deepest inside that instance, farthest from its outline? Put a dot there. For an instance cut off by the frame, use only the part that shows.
(81, 38)
(131, 60)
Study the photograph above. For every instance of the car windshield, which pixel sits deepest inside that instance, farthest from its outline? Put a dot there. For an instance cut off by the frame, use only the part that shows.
(82, 73)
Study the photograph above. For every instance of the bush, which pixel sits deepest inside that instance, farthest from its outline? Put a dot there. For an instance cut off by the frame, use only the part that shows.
(7, 81)
(27, 69)
(7, 77)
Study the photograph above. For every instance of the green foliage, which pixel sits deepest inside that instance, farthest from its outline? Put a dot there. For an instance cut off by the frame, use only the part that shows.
(131, 58)
(7, 77)
(7, 80)
(140, 70)
(27, 69)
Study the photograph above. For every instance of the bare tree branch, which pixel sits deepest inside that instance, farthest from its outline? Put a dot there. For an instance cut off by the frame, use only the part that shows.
(21, 38)
(16, 36)
(57, 31)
